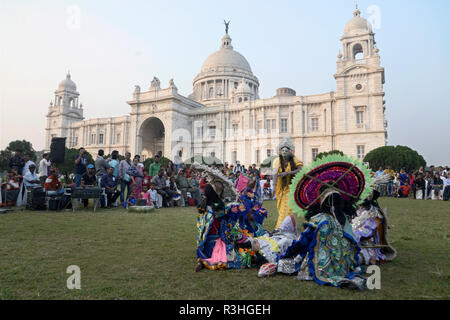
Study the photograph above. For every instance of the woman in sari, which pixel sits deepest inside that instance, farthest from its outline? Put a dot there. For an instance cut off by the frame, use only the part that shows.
(136, 175)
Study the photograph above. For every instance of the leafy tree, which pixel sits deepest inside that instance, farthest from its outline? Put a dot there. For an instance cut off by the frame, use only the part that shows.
(23, 145)
(395, 156)
(324, 154)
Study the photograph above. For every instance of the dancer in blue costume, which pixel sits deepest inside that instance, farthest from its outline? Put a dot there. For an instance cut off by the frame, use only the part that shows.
(224, 231)
(326, 251)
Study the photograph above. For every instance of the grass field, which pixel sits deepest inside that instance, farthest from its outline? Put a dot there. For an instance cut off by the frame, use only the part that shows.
(152, 256)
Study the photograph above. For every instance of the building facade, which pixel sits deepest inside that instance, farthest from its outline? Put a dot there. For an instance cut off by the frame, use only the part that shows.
(225, 117)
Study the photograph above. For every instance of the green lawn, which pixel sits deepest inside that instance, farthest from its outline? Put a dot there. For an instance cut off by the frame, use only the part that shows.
(152, 256)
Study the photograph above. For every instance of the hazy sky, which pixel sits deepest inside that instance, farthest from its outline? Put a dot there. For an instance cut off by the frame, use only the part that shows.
(115, 45)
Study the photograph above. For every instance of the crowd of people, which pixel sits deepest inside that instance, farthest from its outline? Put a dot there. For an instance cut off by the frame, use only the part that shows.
(176, 184)
(124, 181)
(430, 183)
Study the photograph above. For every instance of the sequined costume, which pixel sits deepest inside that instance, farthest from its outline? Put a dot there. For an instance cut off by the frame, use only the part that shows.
(328, 254)
(282, 188)
(370, 227)
(225, 233)
(326, 193)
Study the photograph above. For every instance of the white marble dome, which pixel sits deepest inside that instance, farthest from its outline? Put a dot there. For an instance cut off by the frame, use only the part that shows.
(67, 84)
(357, 25)
(226, 57)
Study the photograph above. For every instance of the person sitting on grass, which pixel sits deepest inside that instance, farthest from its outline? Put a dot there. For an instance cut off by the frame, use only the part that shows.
(176, 194)
(144, 194)
(109, 182)
(404, 190)
(53, 185)
(88, 180)
(131, 201)
(11, 188)
(185, 186)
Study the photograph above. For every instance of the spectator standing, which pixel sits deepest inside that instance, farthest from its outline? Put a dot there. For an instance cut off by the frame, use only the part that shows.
(154, 167)
(80, 166)
(44, 168)
(114, 162)
(238, 168)
(170, 168)
(403, 176)
(124, 178)
(446, 195)
(419, 187)
(379, 172)
(177, 161)
(101, 165)
(136, 175)
(428, 182)
(28, 162)
(390, 184)
(255, 171)
(437, 185)
(432, 170)
(17, 162)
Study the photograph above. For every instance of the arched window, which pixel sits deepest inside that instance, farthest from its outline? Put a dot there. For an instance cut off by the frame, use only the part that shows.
(358, 52)
(211, 92)
(240, 99)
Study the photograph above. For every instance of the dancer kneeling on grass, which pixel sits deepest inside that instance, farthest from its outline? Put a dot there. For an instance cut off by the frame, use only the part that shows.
(370, 228)
(326, 193)
(225, 231)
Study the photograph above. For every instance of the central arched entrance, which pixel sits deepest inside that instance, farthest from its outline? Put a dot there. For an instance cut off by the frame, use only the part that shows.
(152, 134)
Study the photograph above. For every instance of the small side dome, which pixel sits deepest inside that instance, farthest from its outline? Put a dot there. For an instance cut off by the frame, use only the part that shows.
(67, 84)
(286, 92)
(243, 87)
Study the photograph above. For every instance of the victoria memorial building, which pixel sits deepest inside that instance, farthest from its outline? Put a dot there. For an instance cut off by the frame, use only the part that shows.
(225, 117)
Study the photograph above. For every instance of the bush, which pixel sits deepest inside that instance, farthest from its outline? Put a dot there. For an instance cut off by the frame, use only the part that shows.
(397, 157)
(324, 154)
(13, 146)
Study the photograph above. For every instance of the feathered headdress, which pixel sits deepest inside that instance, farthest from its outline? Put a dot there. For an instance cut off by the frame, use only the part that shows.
(348, 176)
(215, 174)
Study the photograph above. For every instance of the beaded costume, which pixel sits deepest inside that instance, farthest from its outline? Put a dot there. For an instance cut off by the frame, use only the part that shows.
(326, 192)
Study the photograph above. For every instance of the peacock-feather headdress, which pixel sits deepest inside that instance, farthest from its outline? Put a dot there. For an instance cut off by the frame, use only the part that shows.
(344, 174)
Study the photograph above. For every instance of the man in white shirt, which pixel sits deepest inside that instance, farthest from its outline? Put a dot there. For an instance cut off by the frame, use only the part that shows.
(28, 162)
(30, 179)
(44, 167)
